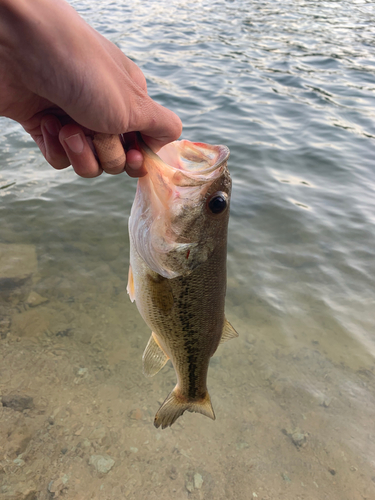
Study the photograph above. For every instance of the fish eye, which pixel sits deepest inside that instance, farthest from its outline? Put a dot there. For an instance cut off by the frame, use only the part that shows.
(218, 203)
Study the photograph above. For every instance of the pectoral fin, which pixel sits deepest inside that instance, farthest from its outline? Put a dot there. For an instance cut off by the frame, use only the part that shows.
(130, 288)
(154, 358)
(228, 332)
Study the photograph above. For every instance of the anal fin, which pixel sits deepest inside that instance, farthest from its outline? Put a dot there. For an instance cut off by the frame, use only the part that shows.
(154, 358)
(228, 332)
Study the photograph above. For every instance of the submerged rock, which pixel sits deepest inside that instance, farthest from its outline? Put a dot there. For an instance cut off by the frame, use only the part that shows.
(193, 482)
(23, 491)
(58, 486)
(198, 481)
(102, 463)
(31, 323)
(34, 299)
(297, 437)
(17, 402)
(17, 262)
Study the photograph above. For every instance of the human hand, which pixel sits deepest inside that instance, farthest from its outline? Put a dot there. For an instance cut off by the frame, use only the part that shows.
(64, 82)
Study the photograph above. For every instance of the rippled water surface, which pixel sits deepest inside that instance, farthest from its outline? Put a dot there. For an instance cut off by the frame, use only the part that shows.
(289, 87)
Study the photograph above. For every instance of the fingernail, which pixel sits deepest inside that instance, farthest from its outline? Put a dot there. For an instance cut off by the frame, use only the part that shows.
(53, 127)
(75, 143)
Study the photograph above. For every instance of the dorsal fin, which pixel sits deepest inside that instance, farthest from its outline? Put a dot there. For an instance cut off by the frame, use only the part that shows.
(228, 332)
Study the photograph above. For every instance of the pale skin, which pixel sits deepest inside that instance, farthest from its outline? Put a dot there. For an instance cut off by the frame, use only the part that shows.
(63, 81)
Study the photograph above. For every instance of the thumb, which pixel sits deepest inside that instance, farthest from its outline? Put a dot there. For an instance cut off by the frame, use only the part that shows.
(158, 125)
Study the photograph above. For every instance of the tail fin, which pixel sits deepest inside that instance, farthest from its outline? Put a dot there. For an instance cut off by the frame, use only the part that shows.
(175, 405)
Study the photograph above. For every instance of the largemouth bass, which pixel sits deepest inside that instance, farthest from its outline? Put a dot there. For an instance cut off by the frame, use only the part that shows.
(177, 276)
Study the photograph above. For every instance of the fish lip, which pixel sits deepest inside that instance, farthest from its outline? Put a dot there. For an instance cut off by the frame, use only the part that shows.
(222, 156)
(198, 176)
(223, 150)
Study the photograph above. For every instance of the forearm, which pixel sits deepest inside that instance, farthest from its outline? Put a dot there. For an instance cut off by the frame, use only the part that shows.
(39, 46)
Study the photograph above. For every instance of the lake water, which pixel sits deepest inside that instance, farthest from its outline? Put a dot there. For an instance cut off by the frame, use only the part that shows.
(289, 87)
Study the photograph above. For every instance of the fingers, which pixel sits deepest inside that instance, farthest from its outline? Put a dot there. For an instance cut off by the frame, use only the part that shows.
(112, 158)
(134, 158)
(77, 148)
(110, 152)
(106, 152)
(68, 145)
(134, 164)
(51, 146)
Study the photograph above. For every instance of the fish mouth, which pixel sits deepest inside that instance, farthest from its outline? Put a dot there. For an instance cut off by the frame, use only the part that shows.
(193, 157)
(189, 163)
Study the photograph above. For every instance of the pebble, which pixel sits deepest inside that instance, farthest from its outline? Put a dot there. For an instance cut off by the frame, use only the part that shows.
(58, 485)
(17, 402)
(19, 462)
(324, 401)
(198, 481)
(242, 445)
(189, 486)
(193, 482)
(102, 463)
(82, 372)
(34, 299)
(136, 414)
(173, 474)
(297, 436)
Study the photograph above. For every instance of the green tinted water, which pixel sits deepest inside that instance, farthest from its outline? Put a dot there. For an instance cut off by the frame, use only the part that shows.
(289, 87)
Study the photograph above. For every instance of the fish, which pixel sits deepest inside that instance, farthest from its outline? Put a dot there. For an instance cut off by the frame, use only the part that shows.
(177, 275)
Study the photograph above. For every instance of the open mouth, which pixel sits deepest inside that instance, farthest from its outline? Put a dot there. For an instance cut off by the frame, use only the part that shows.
(193, 157)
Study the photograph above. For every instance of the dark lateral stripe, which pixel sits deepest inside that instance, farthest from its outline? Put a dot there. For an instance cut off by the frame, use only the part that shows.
(192, 352)
(192, 367)
(186, 317)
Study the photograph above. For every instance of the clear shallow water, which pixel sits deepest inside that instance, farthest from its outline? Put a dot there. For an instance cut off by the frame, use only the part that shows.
(290, 88)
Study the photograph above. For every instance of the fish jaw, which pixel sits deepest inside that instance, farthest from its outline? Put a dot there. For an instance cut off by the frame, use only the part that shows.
(169, 223)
